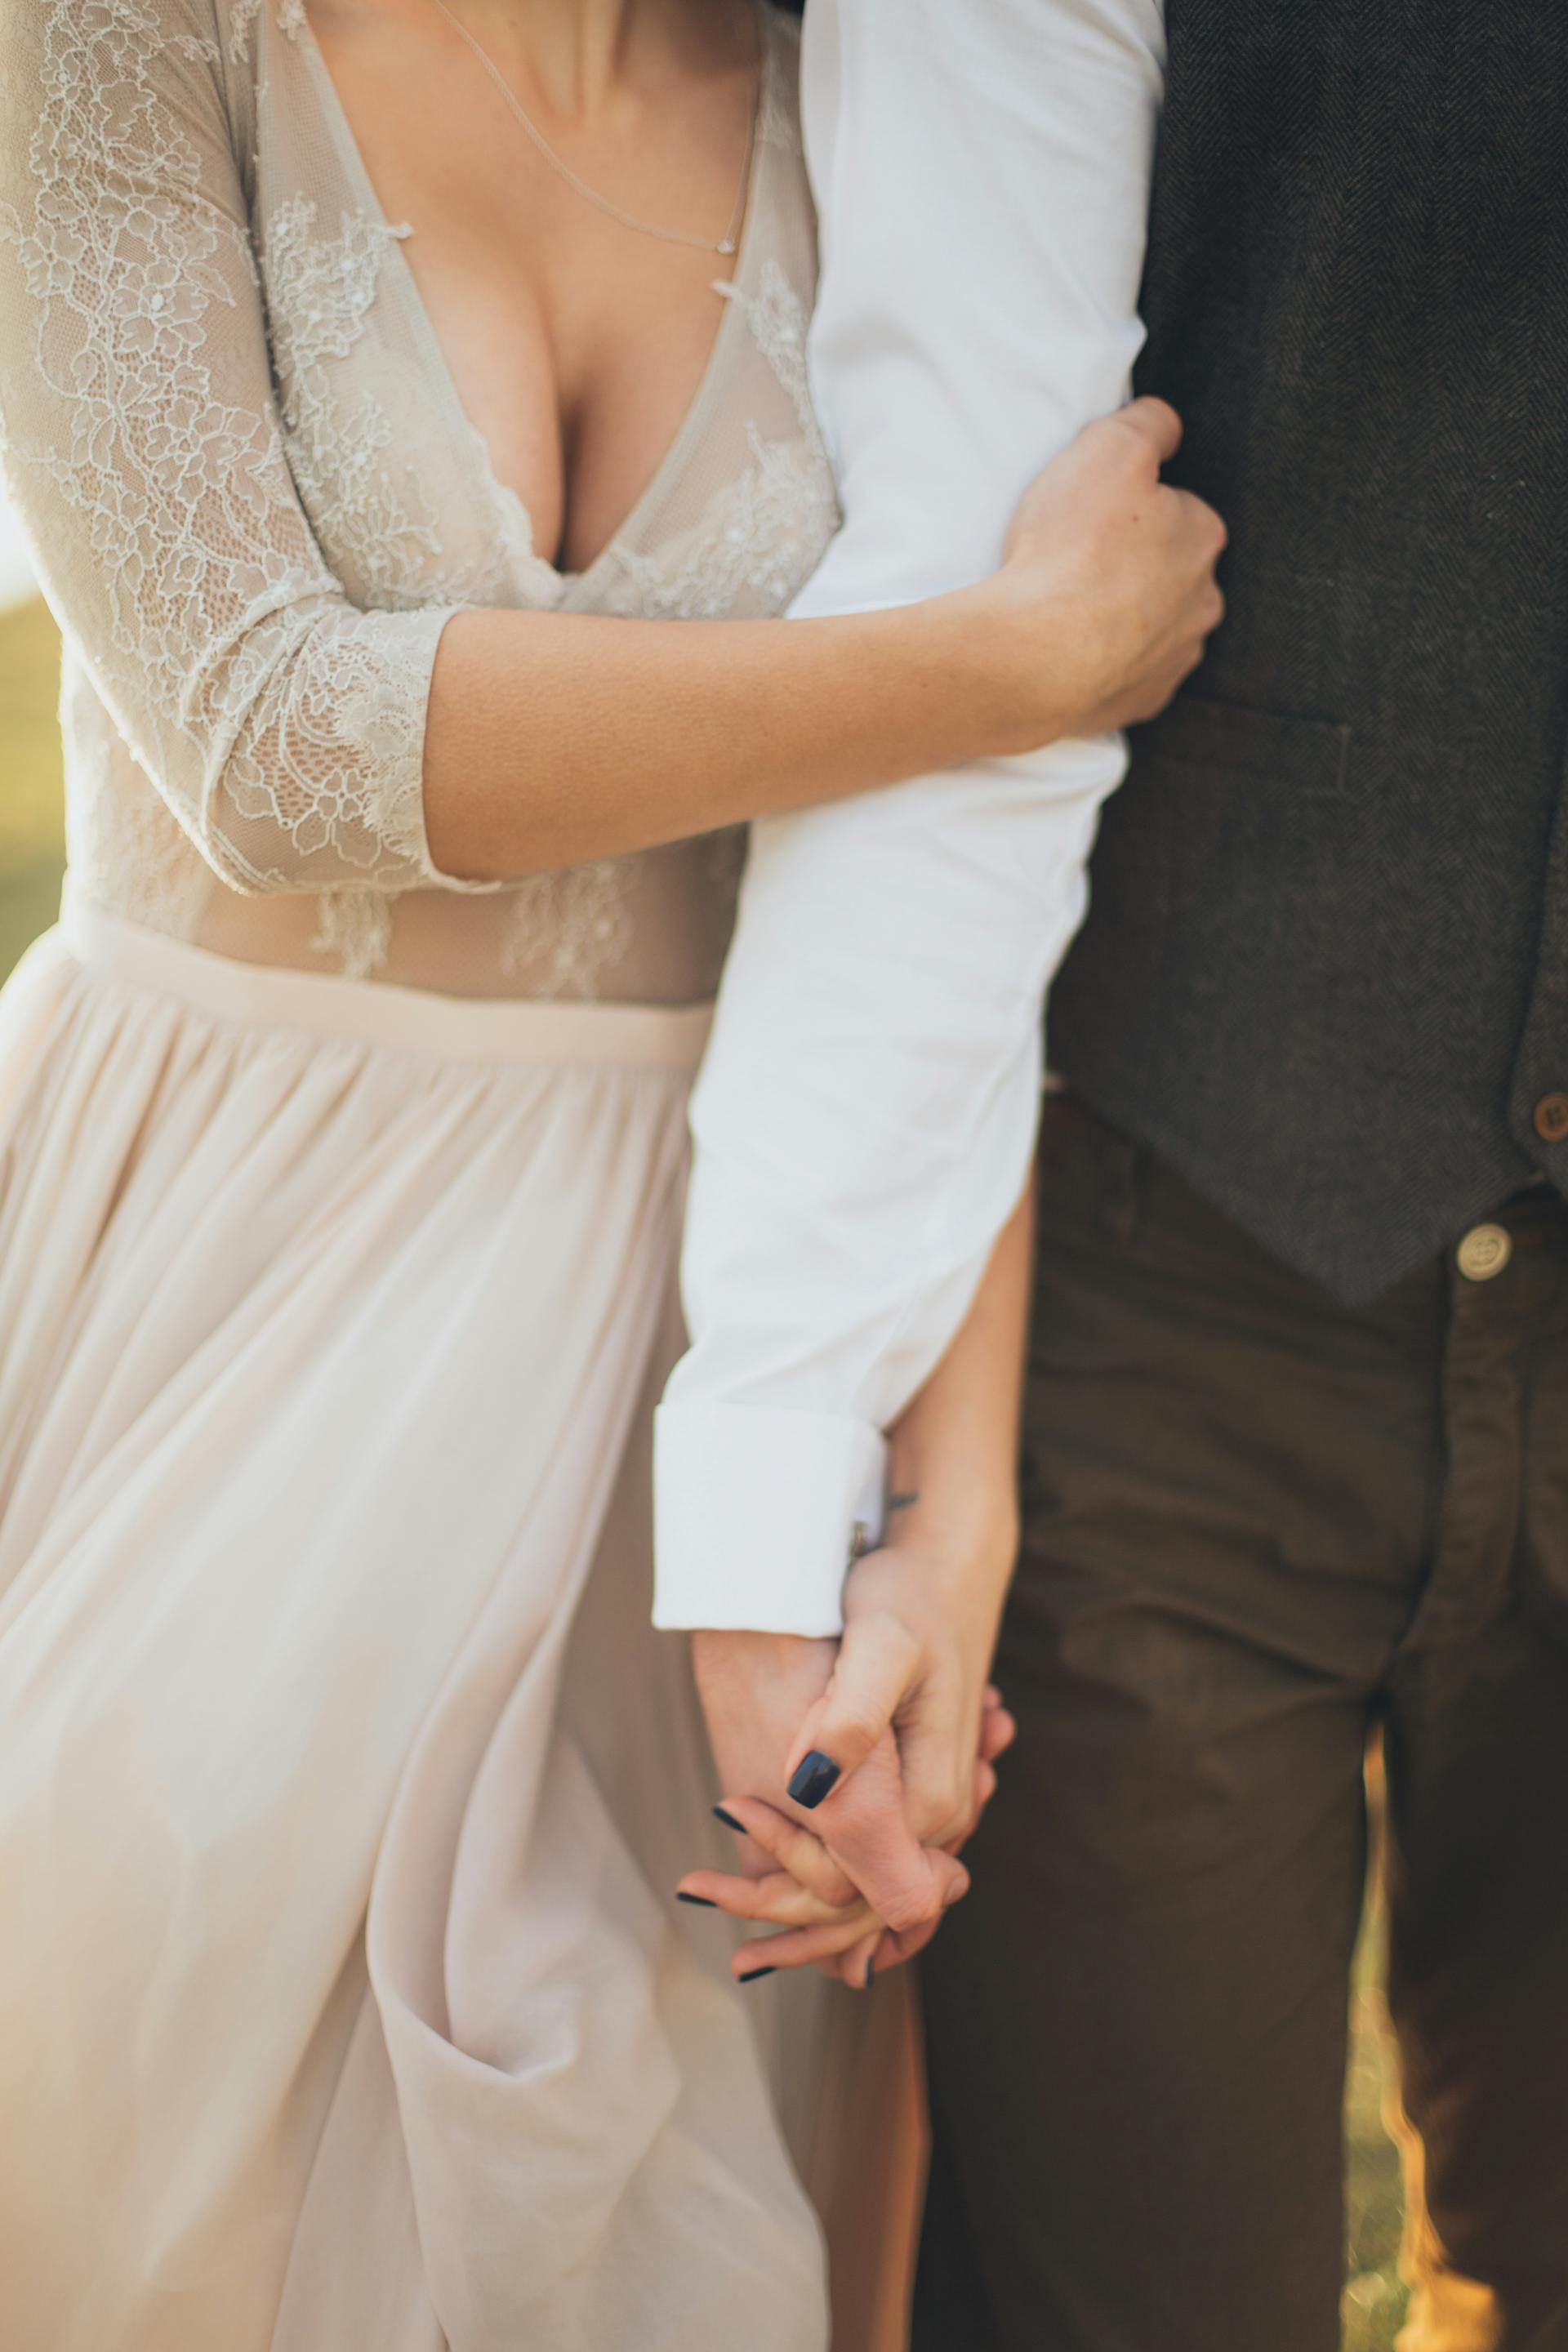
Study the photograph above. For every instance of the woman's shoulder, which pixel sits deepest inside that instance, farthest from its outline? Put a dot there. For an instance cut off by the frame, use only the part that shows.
(212, 29)
(63, 51)
(231, 37)
(116, 76)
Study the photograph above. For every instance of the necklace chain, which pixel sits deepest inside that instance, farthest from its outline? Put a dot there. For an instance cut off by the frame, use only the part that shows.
(727, 243)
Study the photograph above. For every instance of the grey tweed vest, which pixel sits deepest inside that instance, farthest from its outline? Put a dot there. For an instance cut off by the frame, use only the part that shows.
(1324, 975)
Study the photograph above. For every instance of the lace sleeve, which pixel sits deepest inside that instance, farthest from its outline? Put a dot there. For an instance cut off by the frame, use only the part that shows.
(284, 727)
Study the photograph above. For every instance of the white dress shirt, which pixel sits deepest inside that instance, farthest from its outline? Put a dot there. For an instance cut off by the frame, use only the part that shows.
(865, 1115)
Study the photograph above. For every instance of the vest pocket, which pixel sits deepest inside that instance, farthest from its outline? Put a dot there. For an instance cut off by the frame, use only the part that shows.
(1232, 874)
(1197, 731)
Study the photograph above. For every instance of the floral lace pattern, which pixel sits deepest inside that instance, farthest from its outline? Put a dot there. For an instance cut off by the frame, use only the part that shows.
(284, 728)
(242, 17)
(764, 532)
(257, 504)
(324, 289)
(778, 319)
(567, 929)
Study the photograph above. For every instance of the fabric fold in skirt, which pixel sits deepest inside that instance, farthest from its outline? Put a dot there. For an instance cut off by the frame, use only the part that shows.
(344, 2007)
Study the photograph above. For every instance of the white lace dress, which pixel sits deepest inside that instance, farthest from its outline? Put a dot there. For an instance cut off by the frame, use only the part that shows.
(343, 2005)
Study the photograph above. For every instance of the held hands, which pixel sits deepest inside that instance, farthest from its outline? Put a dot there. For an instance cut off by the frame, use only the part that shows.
(1107, 593)
(887, 1741)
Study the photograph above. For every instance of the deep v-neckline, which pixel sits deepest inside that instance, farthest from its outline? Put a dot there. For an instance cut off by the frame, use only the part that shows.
(566, 586)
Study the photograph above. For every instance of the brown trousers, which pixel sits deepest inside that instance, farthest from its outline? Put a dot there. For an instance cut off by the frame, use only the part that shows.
(1258, 1526)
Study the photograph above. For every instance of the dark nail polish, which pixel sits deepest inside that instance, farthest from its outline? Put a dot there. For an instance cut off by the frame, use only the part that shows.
(752, 1974)
(813, 1779)
(703, 1901)
(729, 1819)
(870, 1972)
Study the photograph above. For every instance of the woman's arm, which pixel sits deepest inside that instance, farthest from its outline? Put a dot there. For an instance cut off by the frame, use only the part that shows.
(555, 738)
(921, 1614)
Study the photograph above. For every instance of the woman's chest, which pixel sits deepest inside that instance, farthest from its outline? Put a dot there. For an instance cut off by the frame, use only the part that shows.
(432, 407)
(575, 344)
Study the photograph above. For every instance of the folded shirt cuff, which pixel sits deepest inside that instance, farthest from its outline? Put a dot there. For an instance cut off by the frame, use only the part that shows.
(759, 1511)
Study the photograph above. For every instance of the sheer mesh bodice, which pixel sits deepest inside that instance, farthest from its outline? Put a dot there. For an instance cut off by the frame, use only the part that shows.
(255, 500)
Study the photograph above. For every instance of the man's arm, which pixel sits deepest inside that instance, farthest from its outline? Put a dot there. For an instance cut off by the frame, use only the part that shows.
(867, 1111)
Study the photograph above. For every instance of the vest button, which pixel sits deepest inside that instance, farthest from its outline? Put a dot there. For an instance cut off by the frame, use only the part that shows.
(1485, 1251)
(1551, 1118)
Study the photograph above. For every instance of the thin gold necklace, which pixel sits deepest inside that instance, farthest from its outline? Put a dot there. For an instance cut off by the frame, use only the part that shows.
(731, 240)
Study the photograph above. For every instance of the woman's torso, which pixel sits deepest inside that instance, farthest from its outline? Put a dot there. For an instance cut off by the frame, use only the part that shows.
(402, 495)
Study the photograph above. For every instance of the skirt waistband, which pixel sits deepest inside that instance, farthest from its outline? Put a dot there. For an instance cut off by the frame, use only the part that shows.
(403, 1020)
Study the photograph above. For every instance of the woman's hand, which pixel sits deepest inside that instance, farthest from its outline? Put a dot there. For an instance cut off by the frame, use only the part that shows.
(756, 1690)
(803, 1892)
(887, 1738)
(910, 1673)
(1107, 593)
(919, 1625)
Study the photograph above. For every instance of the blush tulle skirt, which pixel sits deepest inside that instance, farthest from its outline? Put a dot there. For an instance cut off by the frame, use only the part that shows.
(344, 1787)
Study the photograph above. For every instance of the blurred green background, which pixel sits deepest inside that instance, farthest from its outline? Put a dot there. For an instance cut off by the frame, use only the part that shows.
(31, 858)
(32, 851)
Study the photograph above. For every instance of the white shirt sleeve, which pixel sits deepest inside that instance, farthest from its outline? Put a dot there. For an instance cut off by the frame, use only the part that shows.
(868, 1108)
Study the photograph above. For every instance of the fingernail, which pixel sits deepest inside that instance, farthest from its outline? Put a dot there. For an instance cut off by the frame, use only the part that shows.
(870, 1972)
(959, 1888)
(752, 1974)
(729, 1819)
(703, 1901)
(812, 1778)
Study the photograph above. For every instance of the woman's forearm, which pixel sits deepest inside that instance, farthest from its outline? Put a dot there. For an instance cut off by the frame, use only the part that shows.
(954, 1455)
(921, 1612)
(553, 737)
(556, 738)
